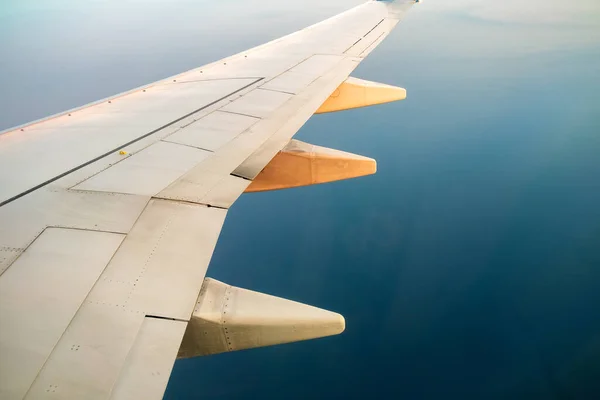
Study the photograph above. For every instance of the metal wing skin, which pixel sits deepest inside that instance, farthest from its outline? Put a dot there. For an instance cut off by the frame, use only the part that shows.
(109, 213)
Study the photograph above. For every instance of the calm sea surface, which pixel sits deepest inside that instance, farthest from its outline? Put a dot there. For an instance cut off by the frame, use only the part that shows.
(468, 267)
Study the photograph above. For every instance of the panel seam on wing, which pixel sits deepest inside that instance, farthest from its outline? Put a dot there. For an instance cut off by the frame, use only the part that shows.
(100, 157)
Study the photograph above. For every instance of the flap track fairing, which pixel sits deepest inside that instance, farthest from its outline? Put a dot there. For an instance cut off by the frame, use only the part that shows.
(303, 164)
(228, 318)
(356, 93)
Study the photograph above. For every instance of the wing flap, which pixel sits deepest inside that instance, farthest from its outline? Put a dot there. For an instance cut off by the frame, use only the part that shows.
(149, 363)
(30, 332)
(157, 271)
(167, 252)
(88, 358)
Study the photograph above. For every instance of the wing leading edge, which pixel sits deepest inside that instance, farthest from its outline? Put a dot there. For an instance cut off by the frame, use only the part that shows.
(104, 250)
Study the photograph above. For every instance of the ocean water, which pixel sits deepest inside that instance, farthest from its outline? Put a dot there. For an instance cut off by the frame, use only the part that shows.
(468, 267)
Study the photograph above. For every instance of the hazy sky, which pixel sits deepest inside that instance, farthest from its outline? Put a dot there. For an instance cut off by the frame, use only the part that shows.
(556, 12)
(124, 41)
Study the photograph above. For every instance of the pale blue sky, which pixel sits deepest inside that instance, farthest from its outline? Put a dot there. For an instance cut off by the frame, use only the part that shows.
(57, 43)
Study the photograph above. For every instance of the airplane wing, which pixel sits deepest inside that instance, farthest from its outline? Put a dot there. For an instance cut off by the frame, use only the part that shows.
(109, 213)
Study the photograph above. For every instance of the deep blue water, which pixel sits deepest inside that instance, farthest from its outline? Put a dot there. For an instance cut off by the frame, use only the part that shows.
(468, 267)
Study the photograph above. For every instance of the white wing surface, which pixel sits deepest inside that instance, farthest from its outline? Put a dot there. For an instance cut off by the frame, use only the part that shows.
(109, 213)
